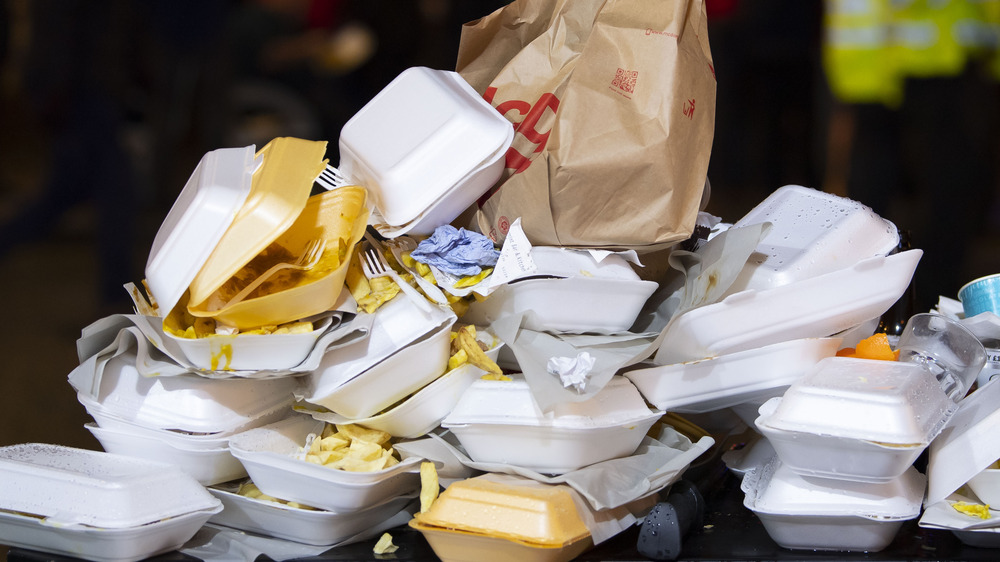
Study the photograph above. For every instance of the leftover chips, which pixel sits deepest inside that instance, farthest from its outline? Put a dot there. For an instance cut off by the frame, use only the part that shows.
(352, 448)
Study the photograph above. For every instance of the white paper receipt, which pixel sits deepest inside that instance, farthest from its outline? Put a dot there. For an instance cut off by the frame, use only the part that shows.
(515, 257)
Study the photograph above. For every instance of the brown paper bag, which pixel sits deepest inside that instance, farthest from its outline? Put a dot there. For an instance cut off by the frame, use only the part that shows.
(613, 102)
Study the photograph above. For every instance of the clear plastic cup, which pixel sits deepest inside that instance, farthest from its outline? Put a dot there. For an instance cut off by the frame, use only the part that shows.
(944, 347)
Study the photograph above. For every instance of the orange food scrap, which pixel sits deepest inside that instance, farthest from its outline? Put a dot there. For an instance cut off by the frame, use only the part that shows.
(875, 346)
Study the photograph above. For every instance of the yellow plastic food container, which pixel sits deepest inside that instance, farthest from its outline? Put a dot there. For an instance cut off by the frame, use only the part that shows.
(339, 217)
(278, 193)
(479, 519)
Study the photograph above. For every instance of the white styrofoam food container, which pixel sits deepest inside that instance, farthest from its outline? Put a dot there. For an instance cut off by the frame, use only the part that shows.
(816, 307)
(812, 233)
(204, 209)
(393, 378)
(309, 526)
(498, 421)
(728, 380)
(419, 139)
(800, 513)
(95, 504)
(250, 352)
(396, 324)
(189, 403)
(967, 446)
(207, 465)
(269, 455)
(856, 419)
(986, 485)
(570, 291)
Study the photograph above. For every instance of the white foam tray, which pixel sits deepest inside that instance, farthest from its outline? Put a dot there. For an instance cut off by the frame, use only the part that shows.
(728, 380)
(269, 456)
(309, 526)
(816, 307)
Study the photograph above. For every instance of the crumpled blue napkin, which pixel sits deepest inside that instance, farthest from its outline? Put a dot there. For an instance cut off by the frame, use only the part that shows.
(456, 251)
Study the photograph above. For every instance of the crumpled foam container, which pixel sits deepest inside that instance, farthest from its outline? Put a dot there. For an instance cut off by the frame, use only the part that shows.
(856, 419)
(732, 379)
(417, 143)
(187, 403)
(812, 233)
(816, 307)
(269, 455)
(97, 505)
(309, 526)
(510, 522)
(805, 514)
(498, 421)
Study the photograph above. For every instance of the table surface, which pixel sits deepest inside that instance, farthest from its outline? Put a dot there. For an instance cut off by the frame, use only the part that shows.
(729, 532)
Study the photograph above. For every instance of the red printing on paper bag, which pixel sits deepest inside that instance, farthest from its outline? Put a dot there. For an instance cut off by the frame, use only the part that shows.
(624, 80)
(689, 108)
(527, 127)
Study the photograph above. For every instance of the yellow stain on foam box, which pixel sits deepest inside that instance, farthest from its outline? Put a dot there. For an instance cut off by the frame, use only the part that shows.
(972, 509)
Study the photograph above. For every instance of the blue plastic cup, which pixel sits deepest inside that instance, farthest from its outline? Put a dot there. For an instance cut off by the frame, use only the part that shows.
(981, 295)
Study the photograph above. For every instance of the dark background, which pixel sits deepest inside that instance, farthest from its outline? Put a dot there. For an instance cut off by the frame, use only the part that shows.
(106, 107)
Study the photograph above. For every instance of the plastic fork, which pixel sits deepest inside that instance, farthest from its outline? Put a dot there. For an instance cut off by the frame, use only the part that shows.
(374, 265)
(331, 178)
(402, 244)
(309, 257)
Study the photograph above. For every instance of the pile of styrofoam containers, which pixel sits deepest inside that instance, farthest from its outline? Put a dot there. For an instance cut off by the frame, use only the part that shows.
(499, 422)
(97, 505)
(185, 420)
(847, 433)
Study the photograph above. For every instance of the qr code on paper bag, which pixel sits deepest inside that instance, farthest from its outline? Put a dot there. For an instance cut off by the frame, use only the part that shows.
(625, 80)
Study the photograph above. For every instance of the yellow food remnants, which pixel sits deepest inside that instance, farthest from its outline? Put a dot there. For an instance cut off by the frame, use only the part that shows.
(352, 448)
(972, 509)
(384, 545)
(429, 485)
(250, 490)
(465, 348)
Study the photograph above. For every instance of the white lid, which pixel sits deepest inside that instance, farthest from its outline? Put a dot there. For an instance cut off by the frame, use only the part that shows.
(417, 138)
(967, 445)
(199, 217)
(773, 488)
(511, 403)
(812, 232)
(78, 486)
(188, 402)
(883, 401)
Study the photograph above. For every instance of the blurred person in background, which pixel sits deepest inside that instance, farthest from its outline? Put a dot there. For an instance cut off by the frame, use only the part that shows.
(919, 80)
